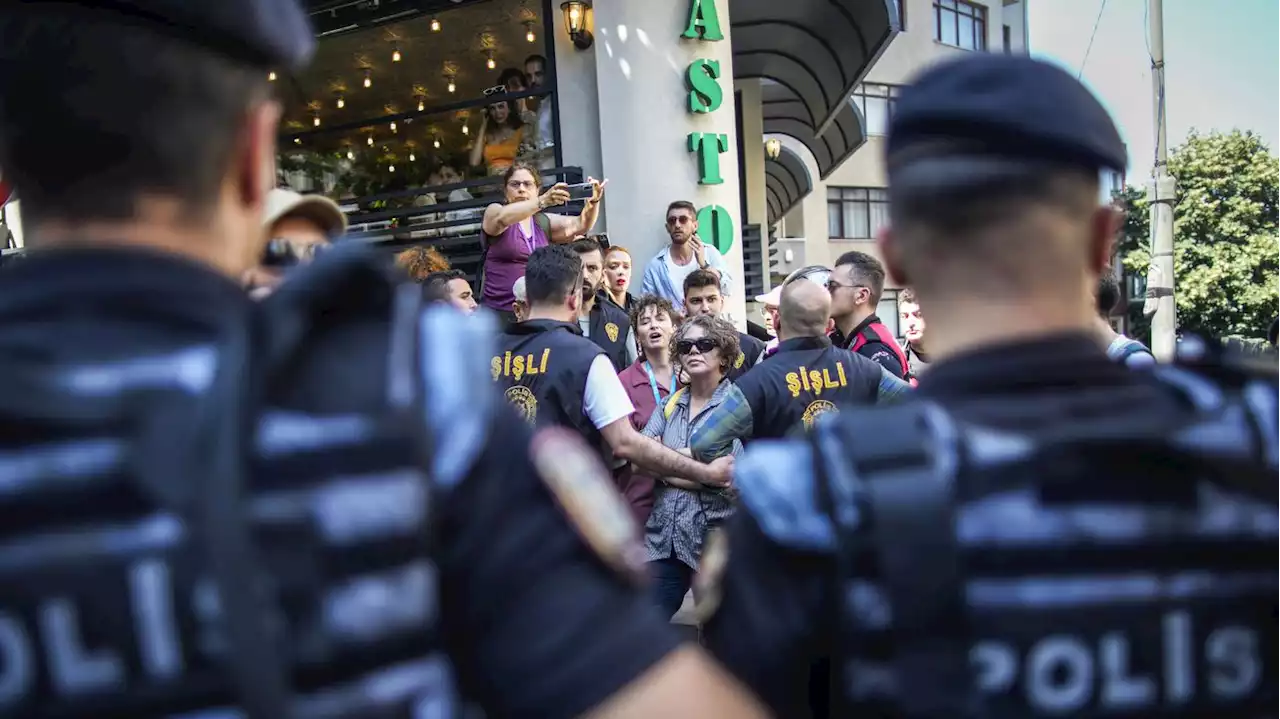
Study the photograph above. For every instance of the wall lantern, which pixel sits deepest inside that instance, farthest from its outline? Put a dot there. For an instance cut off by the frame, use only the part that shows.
(773, 148)
(577, 22)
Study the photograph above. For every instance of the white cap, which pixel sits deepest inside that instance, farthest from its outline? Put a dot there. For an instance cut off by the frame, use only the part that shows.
(517, 289)
(317, 208)
(773, 297)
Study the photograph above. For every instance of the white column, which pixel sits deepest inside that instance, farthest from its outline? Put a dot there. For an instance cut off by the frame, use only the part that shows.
(645, 123)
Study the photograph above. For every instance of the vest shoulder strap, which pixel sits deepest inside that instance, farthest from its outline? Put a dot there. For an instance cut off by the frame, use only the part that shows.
(877, 332)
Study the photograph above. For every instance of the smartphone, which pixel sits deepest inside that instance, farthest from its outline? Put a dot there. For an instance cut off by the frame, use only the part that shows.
(580, 191)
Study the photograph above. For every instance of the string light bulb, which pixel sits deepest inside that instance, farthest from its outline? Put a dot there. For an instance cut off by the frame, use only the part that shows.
(491, 63)
(368, 78)
(393, 126)
(395, 55)
(370, 143)
(435, 25)
(341, 103)
(351, 155)
(452, 86)
(412, 157)
(391, 168)
(436, 143)
(528, 33)
(316, 121)
(297, 140)
(422, 105)
(271, 76)
(466, 130)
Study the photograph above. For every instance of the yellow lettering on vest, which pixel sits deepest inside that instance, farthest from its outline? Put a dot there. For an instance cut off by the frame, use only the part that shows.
(495, 368)
(840, 371)
(506, 367)
(517, 367)
(793, 383)
(530, 364)
(804, 379)
(546, 355)
(815, 379)
(836, 383)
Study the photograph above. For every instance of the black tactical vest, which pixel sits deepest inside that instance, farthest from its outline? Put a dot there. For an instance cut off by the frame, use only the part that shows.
(242, 521)
(541, 367)
(608, 326)
(749, 351)
(803, 380)
(986, 587)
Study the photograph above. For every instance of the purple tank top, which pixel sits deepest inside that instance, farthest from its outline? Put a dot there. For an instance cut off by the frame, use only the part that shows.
(508, 255)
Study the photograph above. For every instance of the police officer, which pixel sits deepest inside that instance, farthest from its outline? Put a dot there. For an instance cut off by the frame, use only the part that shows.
(554, 376)
(856, 284)
(218, 507)
(805, 378)
(602, 321)
(1037, 531)
(702, 296)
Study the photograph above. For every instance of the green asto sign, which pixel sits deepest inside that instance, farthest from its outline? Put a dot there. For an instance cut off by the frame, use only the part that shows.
(705, 96)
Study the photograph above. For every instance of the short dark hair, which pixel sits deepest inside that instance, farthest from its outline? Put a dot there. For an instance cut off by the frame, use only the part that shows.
(505, 77)
(662, 304)
(867, 270)
(969, 230)
(436, 286)
(586, 246)
(682, 205)
(130, 110)
(1108, 295)
(536, 58)
(698, 279)
(552, 273)
(907, 295)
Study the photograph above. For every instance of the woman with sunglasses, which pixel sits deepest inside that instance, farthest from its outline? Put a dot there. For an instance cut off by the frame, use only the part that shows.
(500, 135)
(683, 511)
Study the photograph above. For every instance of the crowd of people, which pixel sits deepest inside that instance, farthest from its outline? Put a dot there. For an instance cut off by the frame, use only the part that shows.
(245, 470)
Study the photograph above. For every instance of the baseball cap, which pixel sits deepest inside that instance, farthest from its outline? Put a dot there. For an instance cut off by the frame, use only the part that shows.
(773, 297)
(517, 290)
(317, 208)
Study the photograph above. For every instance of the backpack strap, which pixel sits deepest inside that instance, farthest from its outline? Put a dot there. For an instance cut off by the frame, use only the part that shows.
(903, 465)
(543, 221)
(670, 406)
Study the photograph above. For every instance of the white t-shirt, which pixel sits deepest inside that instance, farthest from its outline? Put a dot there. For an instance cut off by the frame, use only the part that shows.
(605, 400)
(678, 273)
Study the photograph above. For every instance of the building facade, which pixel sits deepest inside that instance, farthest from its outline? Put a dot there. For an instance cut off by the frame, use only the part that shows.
(847, 207)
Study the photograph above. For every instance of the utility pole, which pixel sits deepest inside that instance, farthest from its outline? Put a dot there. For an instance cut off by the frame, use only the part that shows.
(1161, 193)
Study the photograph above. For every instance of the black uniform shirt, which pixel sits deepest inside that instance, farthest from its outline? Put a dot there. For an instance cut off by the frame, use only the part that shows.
(770, 629)
(532, 619)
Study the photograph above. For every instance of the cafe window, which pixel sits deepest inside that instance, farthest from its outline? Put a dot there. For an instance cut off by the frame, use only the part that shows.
(437, 99)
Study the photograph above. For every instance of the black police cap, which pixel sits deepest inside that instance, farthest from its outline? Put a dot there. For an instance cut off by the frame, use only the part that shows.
(266, 33)
(987, 116)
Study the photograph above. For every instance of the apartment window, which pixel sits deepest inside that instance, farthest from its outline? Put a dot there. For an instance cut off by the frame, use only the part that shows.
(960, 24)
(876, 103)
(856, 213)
(887, 311)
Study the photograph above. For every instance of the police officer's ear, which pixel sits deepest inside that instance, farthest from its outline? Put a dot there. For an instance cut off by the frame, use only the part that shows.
(254, 160)
(891, 255)
(1104, 229)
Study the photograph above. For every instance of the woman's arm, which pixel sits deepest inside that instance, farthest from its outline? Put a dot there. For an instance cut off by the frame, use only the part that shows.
(497, 217)
(565, 229)
(477, 150)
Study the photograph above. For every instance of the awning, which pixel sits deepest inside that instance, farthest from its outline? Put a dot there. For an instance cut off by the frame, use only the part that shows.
(786, 182)
(812, 55)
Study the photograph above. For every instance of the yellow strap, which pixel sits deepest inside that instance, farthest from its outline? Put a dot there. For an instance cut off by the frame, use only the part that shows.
(672, 401)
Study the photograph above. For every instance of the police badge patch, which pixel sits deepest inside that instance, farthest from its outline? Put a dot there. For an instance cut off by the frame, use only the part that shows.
(708, 584)
(585, 492)
(737, 364)
(611, 330)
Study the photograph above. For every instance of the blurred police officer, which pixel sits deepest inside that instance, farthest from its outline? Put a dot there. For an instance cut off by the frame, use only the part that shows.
(1038, 531)
(216, 507)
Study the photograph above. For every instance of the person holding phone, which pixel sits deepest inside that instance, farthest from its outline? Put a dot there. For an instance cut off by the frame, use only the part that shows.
(514, 229)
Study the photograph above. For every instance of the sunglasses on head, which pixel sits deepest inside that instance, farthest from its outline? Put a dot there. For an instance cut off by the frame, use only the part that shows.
(494, 90)
(280, 252)
(704, 345)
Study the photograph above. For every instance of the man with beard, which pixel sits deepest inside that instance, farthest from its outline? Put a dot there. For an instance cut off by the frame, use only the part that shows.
(601, 320)
(687, 252)
(535, 70)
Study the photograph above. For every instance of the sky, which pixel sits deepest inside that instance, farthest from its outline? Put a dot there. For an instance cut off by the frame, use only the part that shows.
(1222, 65)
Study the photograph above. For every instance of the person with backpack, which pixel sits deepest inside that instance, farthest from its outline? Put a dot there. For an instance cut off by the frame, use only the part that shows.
(1120, 349)
(512, 230)
(1037, 531)
(312, 506)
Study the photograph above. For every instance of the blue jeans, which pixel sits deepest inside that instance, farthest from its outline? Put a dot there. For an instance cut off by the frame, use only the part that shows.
(672, 579)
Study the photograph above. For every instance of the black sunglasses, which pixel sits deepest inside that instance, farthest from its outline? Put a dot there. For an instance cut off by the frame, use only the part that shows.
(704, 345)
(280, 252)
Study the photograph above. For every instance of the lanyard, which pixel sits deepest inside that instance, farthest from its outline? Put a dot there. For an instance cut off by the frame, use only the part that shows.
(653, 383)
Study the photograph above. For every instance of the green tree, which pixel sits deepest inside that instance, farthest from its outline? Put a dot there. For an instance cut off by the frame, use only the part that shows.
(1226, 251)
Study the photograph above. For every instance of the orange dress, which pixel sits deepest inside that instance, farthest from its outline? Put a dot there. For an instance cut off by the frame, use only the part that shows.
(501, 154)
